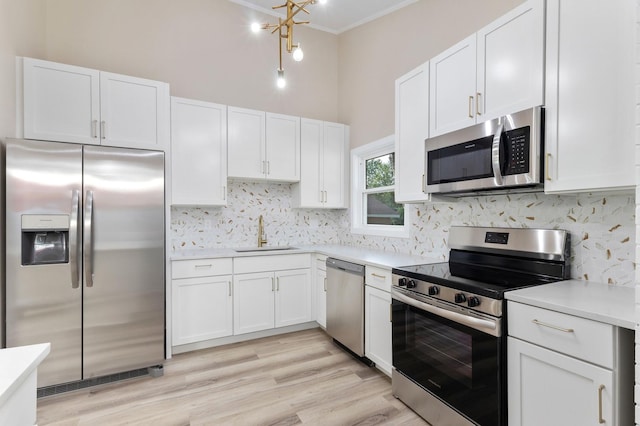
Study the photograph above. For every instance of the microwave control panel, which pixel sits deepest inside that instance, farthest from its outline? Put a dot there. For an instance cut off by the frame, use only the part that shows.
(517, 151)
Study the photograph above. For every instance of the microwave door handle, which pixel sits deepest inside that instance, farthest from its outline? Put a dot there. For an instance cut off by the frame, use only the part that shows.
(495, 155)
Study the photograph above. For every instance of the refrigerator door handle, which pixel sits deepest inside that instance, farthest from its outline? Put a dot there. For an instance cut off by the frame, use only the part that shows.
(88, 239)
(73, 240)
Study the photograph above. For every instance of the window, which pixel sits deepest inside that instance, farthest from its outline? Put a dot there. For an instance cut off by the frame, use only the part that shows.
(374, 210)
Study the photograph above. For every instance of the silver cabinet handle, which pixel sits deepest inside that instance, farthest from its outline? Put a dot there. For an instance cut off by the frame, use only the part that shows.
(495, 155)
(600, 419)
(378, 276)
(88, 239)
(277, 283)
(229, 288)
(209, 265)
(325, 284)
(470, 106)
(555, 327)
(224, 192)
(424, 189)
(478, 94)
(325, 196)
(273, 286)
(94, 129)
(262, 169)
(268, 167)
(103, 129)
(322, 196)
(546, 166)
(73, 240)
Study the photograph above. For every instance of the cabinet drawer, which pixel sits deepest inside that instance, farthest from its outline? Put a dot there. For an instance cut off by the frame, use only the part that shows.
(201, 268)
(268, 263)
(377, 277)
(582, 338)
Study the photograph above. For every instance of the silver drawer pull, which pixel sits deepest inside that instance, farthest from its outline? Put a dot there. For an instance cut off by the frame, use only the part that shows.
(379, 276)
(555, 327)
(204, 266)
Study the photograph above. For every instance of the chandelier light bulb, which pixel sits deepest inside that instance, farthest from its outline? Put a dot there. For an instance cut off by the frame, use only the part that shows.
(298, 54)
(255, 27)
(281, 82)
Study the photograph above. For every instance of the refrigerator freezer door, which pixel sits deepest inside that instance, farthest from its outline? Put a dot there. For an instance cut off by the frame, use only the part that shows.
(123, 260)
(43, 300)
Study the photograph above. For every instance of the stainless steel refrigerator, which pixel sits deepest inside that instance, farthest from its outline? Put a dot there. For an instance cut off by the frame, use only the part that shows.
(84, 257)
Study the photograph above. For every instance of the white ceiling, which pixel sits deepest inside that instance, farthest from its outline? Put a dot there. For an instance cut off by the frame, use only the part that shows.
(335, 16)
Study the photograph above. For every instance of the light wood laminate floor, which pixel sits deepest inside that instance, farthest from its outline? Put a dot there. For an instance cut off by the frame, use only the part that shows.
(296, 378)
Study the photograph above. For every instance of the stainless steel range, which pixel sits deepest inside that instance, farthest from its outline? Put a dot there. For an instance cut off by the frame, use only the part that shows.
(449, 321)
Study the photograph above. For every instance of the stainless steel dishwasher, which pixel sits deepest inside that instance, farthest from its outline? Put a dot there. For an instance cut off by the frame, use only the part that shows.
(345, 304)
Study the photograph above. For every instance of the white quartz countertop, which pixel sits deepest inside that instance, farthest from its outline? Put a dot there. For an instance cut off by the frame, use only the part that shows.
(352, 254)
(16, 364)
(611, 304)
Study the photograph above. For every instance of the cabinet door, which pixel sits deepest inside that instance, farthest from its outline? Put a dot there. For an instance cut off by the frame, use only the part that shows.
(452, 88)
(510, 74)
(308, 193)
(293, 297)
(202, 309)
(412, 128)
(334, 165)
(377, 328)
(282, 148)
(253, 302)
(321, 297)
(246, 143)
(61, 102)
(134, 112)
(548, 388)
(198, 152)
(590, 95)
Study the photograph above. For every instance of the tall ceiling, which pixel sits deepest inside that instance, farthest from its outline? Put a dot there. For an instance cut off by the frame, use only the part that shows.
(336, 16)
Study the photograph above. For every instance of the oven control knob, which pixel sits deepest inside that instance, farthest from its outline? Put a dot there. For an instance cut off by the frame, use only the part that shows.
(433, 290)
(402, 282)
(460, 298)
(411, 284)
(473, 302)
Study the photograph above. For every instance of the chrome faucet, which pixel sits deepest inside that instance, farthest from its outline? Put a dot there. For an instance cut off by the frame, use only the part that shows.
(262, 239)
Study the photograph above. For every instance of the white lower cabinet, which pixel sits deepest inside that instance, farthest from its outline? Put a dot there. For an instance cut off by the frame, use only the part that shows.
(566, 370)
(201, 300)
(271, 299)
(377, 328)
(321, 290)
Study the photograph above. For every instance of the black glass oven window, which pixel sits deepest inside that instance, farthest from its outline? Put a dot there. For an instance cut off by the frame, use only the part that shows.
(448, 350)
(465, 161)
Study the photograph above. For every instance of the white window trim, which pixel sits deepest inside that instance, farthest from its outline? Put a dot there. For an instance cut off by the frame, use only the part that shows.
(358, 222)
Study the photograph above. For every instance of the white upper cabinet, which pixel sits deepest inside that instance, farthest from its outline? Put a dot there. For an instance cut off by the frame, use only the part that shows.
(510, 73)
(590, 95)
(323, 164)
(499, 70)
(72, 104)
(412, 128)
(453, 88)
(198, 152)
(263, 146)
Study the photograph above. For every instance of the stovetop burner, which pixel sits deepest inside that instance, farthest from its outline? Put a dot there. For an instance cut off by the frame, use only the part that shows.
(484, 281)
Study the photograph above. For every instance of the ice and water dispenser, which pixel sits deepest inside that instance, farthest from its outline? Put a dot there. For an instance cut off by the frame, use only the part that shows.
(45, 239)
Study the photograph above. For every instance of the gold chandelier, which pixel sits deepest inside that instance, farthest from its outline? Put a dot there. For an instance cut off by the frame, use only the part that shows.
(284, 27)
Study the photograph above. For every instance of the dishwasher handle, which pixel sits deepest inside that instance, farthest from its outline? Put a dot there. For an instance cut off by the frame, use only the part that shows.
(353, 268)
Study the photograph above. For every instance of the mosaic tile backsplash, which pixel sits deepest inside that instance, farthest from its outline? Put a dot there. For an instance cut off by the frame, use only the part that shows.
(602, 226)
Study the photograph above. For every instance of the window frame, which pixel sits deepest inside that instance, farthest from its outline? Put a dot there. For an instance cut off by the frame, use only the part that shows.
(359, 225)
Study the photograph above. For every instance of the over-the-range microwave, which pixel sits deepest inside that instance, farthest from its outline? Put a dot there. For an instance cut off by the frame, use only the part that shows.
(499, 155)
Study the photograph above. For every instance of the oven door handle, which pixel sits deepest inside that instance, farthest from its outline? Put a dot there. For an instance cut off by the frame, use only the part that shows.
(484, 325)
(495, 155)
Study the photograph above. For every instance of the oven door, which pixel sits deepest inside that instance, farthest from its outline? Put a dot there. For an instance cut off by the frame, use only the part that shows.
(455, 354)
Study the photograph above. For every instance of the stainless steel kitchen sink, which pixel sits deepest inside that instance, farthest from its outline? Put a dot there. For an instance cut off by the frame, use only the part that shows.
(261, 249)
